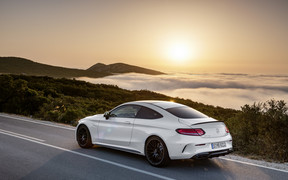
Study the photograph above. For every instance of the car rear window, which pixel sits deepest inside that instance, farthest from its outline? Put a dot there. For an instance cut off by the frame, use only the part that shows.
(146, 113)
(186, 112)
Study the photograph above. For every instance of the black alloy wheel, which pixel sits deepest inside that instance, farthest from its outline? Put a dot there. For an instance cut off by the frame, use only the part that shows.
(84, 137)
(156, 152)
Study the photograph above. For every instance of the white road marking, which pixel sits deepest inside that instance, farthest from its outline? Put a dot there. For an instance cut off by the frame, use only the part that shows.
(22, 136)
(38, 122)
(91, 157)
(252, 164)
(52, 125)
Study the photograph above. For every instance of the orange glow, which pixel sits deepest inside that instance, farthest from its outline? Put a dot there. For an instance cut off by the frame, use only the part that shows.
(235, 36)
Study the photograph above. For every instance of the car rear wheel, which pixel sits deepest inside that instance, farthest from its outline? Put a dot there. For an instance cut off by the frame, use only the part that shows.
(84, 137)
(156, 152)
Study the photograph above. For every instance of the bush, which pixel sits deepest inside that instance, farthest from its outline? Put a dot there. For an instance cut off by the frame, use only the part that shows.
(261, 130)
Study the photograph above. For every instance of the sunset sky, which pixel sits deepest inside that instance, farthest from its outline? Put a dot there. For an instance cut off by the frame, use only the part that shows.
(247, 36)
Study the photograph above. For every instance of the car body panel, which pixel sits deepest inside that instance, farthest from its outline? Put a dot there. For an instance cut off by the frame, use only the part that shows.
(115, 131)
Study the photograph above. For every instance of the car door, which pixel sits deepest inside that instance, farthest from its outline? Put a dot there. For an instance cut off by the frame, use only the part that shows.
(117, 129)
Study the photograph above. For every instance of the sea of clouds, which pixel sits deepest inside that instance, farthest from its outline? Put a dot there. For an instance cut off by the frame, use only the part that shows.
(225, 90)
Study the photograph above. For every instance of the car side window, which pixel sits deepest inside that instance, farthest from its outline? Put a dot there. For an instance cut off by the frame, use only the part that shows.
(126, 111)
(147, 113)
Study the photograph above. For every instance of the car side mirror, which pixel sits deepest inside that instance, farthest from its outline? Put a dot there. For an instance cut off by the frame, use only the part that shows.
(107, 114)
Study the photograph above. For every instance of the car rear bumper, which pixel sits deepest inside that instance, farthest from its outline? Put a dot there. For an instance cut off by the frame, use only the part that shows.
(205, 155)
(188, 147)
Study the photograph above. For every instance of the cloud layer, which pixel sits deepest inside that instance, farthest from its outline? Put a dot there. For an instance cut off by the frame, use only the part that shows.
(226, 90)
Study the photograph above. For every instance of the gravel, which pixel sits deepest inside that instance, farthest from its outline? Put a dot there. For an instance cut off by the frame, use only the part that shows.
(270, 165)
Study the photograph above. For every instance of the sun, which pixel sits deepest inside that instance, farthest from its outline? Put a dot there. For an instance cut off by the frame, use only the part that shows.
(179, 52)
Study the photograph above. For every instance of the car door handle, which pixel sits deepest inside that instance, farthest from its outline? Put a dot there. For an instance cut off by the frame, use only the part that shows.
(127, 122)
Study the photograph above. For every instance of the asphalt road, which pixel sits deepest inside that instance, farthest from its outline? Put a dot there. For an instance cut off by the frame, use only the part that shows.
(33, 149)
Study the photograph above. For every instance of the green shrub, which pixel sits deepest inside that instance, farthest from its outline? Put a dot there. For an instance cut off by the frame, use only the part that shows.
(261, 130)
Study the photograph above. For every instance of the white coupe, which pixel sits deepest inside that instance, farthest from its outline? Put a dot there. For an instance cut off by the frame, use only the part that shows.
(160, 130)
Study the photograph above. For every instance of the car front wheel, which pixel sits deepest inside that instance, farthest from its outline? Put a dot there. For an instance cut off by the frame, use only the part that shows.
(156, 152)
(84, 137)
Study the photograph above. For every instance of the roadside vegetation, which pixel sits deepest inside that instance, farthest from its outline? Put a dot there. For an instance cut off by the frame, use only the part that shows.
(258, 130)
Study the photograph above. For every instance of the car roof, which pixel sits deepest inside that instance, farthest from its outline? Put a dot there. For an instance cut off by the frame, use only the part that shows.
(161, 104)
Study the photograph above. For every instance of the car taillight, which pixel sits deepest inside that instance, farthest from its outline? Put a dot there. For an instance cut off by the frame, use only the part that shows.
(191, 132)
(226, 129)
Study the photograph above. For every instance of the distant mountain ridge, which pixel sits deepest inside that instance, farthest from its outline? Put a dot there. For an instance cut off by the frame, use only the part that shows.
(17, 65)
(122, 68)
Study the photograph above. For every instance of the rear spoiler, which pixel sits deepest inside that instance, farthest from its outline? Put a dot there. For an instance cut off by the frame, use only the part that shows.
(207, 122)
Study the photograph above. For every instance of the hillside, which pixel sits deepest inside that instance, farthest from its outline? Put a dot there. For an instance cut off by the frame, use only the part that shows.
(16, 65)
(121, 68)
(78, 95)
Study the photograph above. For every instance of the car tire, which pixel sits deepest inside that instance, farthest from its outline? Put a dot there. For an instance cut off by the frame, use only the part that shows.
(84, 137)
(156, 152)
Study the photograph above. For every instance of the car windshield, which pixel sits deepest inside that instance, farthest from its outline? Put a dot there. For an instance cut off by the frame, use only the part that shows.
(186, 112)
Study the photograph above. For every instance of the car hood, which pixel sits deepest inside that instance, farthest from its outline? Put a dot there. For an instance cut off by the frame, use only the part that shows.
(94, 117)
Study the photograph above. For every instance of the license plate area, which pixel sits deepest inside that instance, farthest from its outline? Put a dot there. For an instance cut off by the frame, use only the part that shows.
(218, 145)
